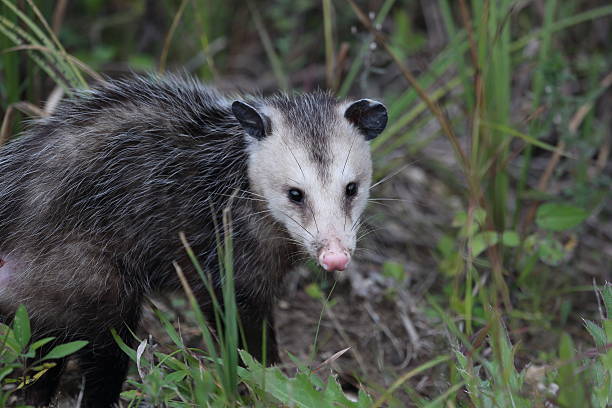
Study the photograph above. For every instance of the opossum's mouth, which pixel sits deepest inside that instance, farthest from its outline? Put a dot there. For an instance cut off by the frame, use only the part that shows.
(333, 256)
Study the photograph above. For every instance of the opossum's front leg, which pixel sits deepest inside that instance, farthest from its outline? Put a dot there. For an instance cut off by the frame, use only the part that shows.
(104, 369)
(257, 322)
(103, 364)
(43, 389)
(255, 319)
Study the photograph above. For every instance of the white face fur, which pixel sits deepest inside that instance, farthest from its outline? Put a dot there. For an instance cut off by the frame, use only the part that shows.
(318, 198)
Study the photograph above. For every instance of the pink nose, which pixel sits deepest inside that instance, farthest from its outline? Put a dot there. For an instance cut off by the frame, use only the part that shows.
(334, 261)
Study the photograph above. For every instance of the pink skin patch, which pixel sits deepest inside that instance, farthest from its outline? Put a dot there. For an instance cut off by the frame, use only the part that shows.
(5, 272)
(7, 269)
(334, 257)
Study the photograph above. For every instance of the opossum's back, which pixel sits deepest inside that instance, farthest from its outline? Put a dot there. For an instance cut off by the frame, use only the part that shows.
(127, 159)
(172, 104)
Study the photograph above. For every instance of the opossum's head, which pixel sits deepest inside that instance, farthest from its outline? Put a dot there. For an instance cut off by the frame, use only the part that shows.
(309, 157)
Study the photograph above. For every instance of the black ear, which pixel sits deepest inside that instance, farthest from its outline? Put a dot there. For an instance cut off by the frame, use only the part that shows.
(255, 124)
(369, 116)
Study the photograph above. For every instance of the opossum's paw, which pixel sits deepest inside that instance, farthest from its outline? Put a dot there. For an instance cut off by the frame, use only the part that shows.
(39, 397)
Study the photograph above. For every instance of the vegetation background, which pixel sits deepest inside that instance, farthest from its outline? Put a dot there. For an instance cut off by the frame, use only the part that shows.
(481, 274)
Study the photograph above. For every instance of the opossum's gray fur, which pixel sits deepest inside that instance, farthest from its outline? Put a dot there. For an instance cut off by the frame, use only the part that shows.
(93, 200)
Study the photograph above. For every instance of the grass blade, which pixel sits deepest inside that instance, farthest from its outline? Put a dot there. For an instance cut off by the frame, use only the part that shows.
(275, 61)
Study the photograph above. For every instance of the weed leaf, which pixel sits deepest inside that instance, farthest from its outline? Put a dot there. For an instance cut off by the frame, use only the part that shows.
(559, 217)
(21, 327)
(64, 350)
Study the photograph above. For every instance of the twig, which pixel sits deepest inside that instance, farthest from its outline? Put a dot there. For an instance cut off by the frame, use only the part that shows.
(58, 16)
(72, 59)
(177, 18)
(53, 100)
(24, 107)
(433, 106)
(409, 326)
(330, 360)
(275, 61)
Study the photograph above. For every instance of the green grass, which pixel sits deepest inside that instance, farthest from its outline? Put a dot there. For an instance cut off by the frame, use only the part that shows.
(502, 267)
(21, 362)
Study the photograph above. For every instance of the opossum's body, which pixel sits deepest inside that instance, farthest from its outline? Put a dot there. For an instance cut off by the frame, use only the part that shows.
(94, 197)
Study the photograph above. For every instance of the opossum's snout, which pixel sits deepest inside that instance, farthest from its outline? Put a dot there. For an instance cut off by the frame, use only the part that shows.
(333, 256)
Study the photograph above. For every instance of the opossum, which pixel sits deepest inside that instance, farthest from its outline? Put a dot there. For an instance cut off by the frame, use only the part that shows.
(95, 195)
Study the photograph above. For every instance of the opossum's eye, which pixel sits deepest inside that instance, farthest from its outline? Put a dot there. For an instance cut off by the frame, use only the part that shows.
(351, 189)
(296, 195)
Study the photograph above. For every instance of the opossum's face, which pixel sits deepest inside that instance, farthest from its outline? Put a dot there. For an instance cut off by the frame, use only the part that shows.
(309, 157)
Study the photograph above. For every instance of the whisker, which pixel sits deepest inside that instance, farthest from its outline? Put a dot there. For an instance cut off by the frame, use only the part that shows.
(258, 220)
(285, 239)
(359, 251)
(294, 158)
(391, 199)
(251, 214)
(301, 226)
(368, 233)
(242, 197)
(365, 220)
(383, 204)
(314, 218)
(363, 225)
(361, 221)
(385, 199)
(404, 167)
(373, 251)
(377, 200)
(349, 152)
(300, 257)
(250, 192)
